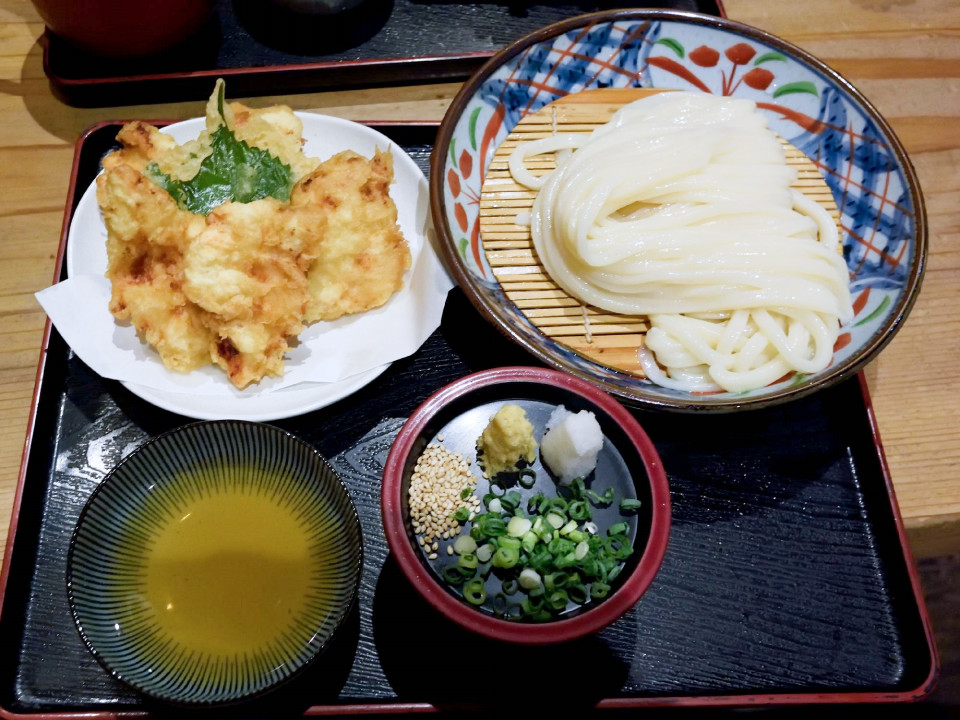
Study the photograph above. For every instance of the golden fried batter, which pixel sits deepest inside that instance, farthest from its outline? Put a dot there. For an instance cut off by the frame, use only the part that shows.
(247, 269)
(363, 256)
(233, 287)
(145, 243)
(275, 129)
(142, 143)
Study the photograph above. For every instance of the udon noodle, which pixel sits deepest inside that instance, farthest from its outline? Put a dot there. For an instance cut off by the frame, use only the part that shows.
(681, 209)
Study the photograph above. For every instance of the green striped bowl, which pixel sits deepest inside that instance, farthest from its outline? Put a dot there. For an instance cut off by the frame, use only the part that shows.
(214, 563)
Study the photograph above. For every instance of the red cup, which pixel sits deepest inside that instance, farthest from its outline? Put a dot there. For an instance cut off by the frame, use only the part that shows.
(124, 28)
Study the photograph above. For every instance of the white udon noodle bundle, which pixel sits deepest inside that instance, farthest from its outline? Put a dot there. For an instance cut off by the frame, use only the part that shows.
(681, 209)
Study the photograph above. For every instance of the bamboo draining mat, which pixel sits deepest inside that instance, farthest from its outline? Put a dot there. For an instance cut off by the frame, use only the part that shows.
(608, 338)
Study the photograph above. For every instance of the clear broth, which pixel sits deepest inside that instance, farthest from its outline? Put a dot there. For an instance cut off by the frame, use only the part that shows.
(232, 574)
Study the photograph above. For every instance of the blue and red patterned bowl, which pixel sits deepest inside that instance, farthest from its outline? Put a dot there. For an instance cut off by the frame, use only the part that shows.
(804, 101)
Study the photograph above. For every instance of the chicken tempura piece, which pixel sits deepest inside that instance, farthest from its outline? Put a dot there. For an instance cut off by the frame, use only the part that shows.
(247, 270)
(147, 234)
(363, 256)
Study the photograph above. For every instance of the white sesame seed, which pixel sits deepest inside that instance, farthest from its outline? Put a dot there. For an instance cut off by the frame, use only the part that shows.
(435, 494)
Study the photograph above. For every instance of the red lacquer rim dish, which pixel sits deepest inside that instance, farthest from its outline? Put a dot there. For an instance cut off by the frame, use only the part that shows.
(400, 538)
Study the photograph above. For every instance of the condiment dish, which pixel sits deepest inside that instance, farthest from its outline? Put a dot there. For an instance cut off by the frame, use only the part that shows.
(628, 468)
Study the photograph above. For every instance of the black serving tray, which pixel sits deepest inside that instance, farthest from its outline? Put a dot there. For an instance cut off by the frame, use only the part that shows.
(786, 580)
(261, 49)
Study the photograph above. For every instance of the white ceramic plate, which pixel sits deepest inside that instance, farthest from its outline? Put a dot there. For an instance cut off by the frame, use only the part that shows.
(325, 136)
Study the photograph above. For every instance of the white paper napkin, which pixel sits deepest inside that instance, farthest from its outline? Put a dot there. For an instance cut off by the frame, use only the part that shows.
(325, 352)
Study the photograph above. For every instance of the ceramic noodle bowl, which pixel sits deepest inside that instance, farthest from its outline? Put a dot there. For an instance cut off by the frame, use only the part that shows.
(836, 131)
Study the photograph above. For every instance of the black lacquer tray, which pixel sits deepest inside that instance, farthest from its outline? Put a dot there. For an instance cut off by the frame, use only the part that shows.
(261, 49)
(786, 579)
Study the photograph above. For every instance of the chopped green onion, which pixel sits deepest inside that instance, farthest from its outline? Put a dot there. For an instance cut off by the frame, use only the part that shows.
(531, 607)
(577, 488)
(540, 558)
(547, 548)
(577, 536)
(560, 546)
(505, 558)
(511, 499)
(555, 580)
(557, 599)
(620, 528)
(629, 505)
(579, 510)
(484, 552)
(604, 499)
(453, 575)
(599, 590)
(591, 567)
(491, 525)
(606, 565)
(577, 593)
(619, 546)
(529, 579)
(519, 526)
(533, 504)
(529, 541)
(580, 552)
(508, 541)
(464, 544)
(474, 592)
(557, 504)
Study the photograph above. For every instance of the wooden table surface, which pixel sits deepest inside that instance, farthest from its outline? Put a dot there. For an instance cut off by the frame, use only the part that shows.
(904, 56)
